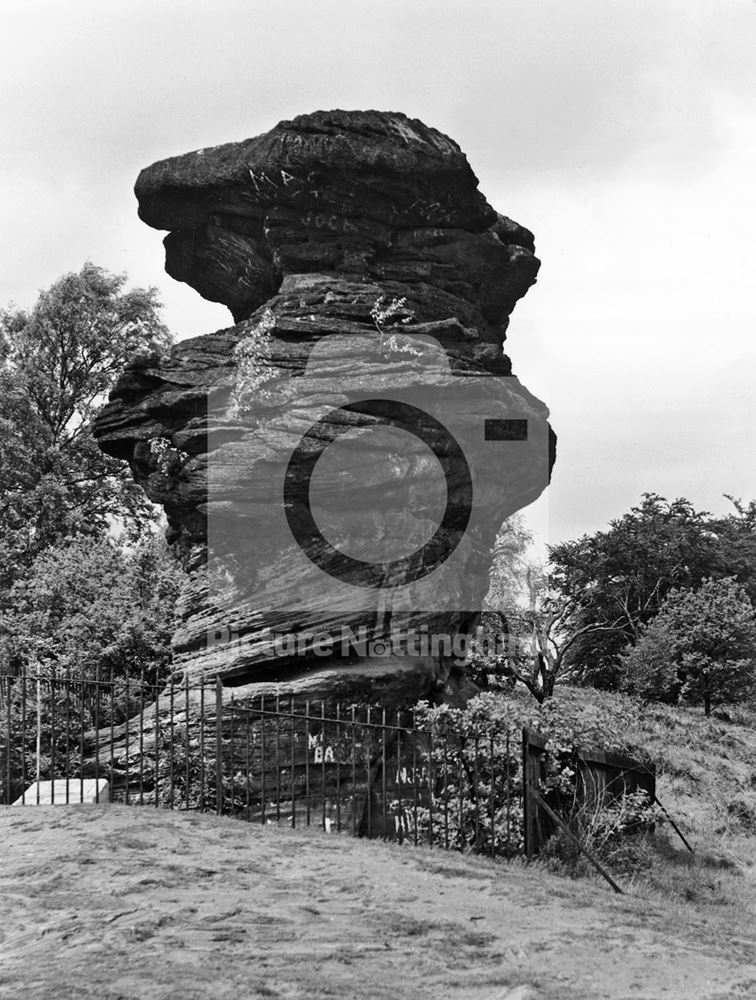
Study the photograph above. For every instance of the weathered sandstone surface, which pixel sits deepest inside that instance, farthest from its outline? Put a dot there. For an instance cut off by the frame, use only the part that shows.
(300, 232)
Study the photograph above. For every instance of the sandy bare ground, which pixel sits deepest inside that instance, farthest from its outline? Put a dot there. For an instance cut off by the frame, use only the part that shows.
(116, 903)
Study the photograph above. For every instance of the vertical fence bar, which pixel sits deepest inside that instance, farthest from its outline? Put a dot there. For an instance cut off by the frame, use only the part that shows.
(430, 786)
(262, 761)
(509, 792)
(127, 735)
(248, 765)
(323, 764)
(68, 731)
(278, 759)
(355, 799)
(202, 776)
(187, 744)
(446, 784)
(23, 735)
(399, 819)
(82, 708)
(414, 775)
(53, 735)
(39, 730)
(526, 803)
(232, 753)
(111, 770)
(338, 768)
(292, 762)
(219, 746)
(97, 735)
(476, 782)
(156, 690)
(460, 799)
(171, 752)
(141, 736)
(491, 795)
(307, 759)
(6, 683)
(368, 755)
(384, 786)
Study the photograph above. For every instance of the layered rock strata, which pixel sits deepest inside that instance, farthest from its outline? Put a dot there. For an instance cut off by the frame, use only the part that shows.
(337, 240)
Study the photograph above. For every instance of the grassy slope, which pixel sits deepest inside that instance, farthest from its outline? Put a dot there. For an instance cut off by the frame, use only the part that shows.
(134, 903)
(707, 781)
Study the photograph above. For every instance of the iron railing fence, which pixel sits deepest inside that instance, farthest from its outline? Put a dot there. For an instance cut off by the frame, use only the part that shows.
(375, 773)
(181, 745)
(131, 732)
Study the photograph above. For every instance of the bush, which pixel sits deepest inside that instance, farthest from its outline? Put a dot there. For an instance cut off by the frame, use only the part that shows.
(478, 750)
(699, 649)
(479, 745)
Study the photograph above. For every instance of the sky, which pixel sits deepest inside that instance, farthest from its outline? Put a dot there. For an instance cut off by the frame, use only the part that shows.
(622, 134)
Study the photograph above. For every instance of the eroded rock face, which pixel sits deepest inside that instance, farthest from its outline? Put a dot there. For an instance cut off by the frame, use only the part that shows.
(300, 232)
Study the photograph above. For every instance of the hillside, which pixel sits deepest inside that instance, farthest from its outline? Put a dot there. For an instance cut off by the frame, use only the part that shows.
(119, 903)
(133, 903)
(706, 779)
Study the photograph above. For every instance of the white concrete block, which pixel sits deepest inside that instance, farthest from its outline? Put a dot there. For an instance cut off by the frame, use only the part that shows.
(72, 789)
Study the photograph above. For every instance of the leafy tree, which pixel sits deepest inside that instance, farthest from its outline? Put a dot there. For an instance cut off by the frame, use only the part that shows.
(524, 635)
(699, 648)
(506, 588)
(57, 363)
(736, 536)
(621, 576)
(86, 610)
(509, 564)
(88, 606)
(538, 638)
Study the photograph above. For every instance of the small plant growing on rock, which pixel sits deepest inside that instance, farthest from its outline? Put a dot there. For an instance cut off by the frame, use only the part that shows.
(386, 315)
(167, 458)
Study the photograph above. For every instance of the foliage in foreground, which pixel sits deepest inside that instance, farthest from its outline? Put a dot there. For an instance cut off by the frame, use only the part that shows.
(486, 764)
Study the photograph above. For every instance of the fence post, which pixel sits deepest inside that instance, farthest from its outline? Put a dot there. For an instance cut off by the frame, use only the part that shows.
(6, 684)
(219, 745)
(526, 803)
(533, 748)
(38, 771)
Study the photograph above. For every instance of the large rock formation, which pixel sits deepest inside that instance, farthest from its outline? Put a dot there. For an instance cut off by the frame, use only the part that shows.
(359, 261)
